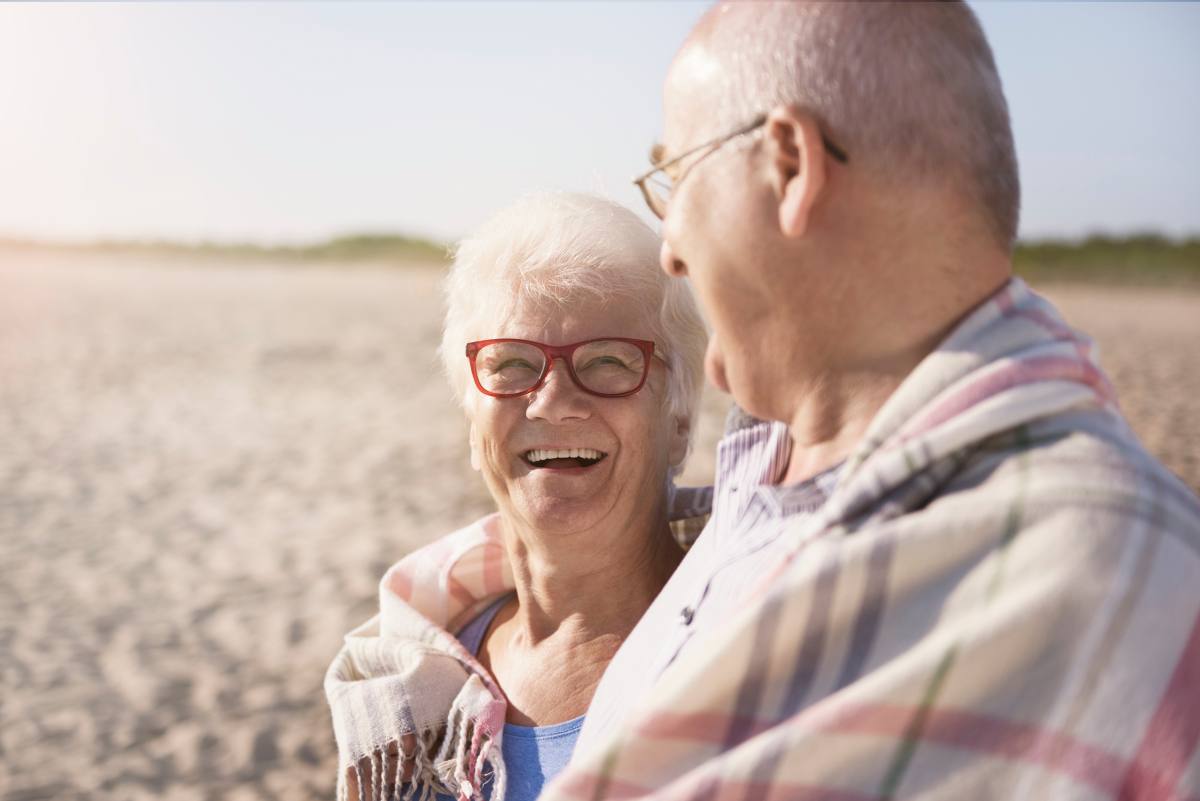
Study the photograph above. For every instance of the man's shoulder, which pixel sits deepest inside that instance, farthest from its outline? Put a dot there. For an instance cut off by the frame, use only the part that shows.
(1085, 466)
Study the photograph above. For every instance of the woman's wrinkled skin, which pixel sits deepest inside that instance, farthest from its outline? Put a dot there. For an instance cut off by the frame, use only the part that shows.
(589, 546)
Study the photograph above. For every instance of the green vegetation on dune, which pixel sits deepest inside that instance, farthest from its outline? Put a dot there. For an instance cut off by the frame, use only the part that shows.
(1143, 259)
(376, 247)
(373, 248)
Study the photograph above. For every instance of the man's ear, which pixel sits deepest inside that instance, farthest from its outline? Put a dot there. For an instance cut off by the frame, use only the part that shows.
(797, 165)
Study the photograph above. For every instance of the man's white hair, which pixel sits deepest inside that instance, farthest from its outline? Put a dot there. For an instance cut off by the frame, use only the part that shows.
(909, 89)
(559, 248)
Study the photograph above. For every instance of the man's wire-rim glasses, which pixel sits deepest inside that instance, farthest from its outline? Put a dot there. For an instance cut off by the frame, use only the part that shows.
(658, 192)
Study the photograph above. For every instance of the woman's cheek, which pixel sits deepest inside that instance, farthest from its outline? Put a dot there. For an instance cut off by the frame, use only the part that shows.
(473, 439)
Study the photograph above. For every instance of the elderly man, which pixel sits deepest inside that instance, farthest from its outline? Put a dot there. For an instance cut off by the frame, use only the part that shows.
(943, 567)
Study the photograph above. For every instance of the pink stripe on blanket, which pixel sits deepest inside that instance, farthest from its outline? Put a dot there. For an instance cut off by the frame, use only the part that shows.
(458, 590)
(487, 726)
(586, 785)
(400, 583)
(694, 785)
(699, 727)
(1004, 298)
(1011, 740)
(493, 563)
(1056, 327)
(1012, 374)
(761, 788)
(1169, 744)
(954, 728)
(708, 782)
(1048, 322)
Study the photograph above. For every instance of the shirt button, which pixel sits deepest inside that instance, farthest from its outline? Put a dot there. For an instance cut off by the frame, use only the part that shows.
(686, 615)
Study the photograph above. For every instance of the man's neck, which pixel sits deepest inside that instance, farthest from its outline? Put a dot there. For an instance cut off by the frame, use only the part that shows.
(832, 413)
(831, 421)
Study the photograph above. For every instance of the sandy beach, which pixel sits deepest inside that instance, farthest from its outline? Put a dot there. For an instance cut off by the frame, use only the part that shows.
(205, 469)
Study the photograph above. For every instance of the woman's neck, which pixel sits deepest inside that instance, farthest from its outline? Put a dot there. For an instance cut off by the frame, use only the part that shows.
(589, 584)
(577, 598)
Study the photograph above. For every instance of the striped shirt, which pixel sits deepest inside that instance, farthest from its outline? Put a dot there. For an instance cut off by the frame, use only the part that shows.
(743, 541)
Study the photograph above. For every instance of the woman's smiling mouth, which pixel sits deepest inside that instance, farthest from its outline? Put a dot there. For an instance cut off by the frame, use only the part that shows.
(562, 458)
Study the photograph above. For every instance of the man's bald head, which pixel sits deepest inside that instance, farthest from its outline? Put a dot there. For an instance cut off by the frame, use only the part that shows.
(910, 90)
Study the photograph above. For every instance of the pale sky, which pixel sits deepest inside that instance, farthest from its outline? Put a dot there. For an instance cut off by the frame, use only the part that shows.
(293, 122)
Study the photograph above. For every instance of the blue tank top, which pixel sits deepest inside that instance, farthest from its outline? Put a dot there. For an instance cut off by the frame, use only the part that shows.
(532, 754)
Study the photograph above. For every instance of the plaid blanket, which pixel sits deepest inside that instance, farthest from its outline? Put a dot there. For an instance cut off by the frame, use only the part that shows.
(1001, 599)
(413, 711)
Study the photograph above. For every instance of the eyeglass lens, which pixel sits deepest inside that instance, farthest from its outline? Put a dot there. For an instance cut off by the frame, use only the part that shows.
(657, 189)
(603, 366)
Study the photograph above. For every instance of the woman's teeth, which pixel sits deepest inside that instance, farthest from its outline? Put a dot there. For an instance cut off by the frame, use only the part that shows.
(545, 455)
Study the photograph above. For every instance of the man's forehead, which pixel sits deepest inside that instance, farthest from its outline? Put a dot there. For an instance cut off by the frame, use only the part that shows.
(692, 88)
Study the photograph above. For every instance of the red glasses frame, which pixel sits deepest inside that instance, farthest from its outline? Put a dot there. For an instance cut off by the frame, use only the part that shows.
(564, 352)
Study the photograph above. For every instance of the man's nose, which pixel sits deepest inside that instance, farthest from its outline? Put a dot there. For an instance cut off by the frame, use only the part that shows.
(558, 398)
(671, 265)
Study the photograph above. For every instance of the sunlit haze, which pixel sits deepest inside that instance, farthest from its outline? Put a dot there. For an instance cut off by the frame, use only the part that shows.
(295, 122)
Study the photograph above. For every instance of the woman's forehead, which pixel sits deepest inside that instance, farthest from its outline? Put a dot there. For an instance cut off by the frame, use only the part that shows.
(572, 320)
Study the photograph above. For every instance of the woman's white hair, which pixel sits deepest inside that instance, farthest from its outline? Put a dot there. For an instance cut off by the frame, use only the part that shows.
(559, 248)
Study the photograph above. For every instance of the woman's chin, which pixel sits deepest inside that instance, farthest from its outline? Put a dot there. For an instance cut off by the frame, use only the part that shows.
(548, 504)
(559, 513)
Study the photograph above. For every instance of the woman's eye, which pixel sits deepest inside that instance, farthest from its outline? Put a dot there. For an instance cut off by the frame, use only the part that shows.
(605, 361)
(512, 364)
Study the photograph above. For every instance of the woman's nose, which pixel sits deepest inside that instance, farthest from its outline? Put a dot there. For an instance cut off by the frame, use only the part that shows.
(558, 398)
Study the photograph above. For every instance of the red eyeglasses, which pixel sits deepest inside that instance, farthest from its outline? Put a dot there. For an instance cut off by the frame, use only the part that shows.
(612, 367)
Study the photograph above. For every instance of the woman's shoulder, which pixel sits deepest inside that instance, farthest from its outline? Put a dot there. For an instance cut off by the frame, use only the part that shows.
(453, 573)
(445, 552)
(471, 635)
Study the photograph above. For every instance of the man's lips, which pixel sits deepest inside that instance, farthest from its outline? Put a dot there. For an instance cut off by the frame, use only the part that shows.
(563, 458)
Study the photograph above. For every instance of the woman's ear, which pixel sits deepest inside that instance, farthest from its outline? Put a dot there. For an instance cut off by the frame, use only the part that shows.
(677, 448)
(796, 155)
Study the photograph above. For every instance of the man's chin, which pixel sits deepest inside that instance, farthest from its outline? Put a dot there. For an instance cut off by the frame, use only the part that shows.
(716, 377)
(714, 366)
(755, 399)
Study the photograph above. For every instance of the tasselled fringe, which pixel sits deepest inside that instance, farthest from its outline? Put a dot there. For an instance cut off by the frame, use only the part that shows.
(429, 760)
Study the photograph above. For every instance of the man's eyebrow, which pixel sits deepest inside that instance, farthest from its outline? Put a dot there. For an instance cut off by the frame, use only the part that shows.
(656, 151)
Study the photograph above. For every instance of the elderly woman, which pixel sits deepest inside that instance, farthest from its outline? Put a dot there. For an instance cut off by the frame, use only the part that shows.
(577, 362)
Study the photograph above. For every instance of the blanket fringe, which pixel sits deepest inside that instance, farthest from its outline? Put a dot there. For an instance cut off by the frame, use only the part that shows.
(440, 762)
